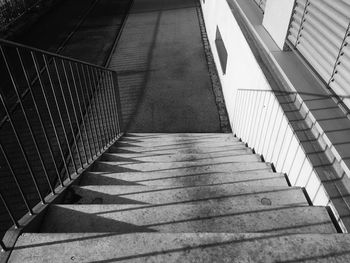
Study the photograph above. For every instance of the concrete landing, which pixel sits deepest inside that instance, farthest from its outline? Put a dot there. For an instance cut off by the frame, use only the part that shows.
(160, 59)
(182, 247)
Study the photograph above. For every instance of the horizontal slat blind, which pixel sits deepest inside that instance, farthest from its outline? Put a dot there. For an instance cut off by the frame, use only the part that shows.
(261, 4)
(320, 31)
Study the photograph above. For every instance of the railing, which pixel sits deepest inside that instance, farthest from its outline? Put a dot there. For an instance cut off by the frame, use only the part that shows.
(57, 116)
(272, 124)
(10, 10)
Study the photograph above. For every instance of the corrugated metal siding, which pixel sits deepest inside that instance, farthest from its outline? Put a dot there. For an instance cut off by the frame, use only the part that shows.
(320, 31)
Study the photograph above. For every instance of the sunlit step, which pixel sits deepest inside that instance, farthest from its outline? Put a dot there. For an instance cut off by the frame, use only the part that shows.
(202, 158)
(164, 194)
(187, 218)
(163, 178)
(181, 247)
(180, 167)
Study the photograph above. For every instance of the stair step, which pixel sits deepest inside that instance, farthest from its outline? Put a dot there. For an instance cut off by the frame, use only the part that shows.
(164, 144)
(202, 158)
(171, 141)
(243, 151)
(178, 149)
(165, 195)
(181, 247)
(178, 135)
(180, 167)
(163, 178)
(187, 218)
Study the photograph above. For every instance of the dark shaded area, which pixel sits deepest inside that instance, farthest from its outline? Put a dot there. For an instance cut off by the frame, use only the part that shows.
(64, 112)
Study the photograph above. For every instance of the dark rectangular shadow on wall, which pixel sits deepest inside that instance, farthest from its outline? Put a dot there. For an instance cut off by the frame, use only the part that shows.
(220, 47)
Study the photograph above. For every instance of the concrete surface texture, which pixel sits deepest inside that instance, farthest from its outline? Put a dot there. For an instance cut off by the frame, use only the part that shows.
(189, 247)
(160, 59)
(144, 206)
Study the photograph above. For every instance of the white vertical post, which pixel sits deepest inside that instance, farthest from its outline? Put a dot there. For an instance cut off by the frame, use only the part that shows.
(277, 18)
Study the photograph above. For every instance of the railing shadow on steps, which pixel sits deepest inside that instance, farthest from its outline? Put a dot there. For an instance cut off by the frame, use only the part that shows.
(58, 115)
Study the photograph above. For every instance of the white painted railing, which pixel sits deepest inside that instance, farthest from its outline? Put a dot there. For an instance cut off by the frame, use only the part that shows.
(260, 121)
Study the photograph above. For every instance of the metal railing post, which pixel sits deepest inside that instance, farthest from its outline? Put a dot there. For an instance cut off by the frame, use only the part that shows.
(117, 100)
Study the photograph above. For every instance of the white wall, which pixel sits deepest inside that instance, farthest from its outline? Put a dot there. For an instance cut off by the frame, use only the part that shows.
(255, 114)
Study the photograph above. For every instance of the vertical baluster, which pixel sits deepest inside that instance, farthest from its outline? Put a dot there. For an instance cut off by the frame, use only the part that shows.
(94, 98)
(98, 94)
(242, 97)
(97, 91)
(31, 132)
(40, 118)
(112, 109)
(51, 119)
(80, 111)
(60, 84)
(10, 213)
(114, 105)
(74, 113)
(264, 119)
(25, 200)
(25, 156)
(82, 89)
(87, 82)
(109, 106)
(102, 85)
(60, 115)
(116, 97)
(256, 130)
(58, 110)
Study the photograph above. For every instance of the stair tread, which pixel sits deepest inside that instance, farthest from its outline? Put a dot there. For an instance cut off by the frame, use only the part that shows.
(180, 134)
(181, 247)
(165, 195)
(172, 142)
(200, 158)
(180, 167)
(178, 149)
(210, 151)
(163, 178)
(187, 218)
(170, 146)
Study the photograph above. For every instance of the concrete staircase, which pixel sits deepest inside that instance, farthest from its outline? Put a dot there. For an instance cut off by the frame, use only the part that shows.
(183, 198)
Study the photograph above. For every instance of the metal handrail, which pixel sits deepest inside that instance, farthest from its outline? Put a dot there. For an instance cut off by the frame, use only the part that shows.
(63, 123)
(25, 92)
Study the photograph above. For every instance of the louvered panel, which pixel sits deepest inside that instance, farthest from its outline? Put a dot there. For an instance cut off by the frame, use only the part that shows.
(320, 30)
(296, 21)
(341, 79)
(310, 55)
